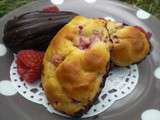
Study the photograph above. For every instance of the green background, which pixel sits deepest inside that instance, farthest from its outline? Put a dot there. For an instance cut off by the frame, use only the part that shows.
(152, 6)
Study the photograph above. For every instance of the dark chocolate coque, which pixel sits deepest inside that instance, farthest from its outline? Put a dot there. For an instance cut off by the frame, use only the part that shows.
(34, 30)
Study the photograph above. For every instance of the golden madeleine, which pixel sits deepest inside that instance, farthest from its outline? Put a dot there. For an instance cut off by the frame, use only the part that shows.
(75, 63)
(130, 44)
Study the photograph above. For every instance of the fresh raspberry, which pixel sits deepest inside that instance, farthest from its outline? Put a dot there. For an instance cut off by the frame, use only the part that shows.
(29, 64)
(30, 58)
(32, 75)
(22, 69)
(51, 9)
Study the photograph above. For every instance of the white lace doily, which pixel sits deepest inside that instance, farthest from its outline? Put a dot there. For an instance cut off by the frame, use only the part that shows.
(119, 83)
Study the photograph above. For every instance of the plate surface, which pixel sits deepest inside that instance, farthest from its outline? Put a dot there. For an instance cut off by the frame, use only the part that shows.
(144, 97)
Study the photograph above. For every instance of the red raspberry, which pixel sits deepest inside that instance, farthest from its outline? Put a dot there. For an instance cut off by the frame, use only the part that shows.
(51, 9)
(22, 69)
(32, 75)
(30, 58)
(29, 64)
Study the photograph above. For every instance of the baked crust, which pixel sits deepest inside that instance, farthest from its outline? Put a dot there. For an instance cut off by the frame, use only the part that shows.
(78, 57)
(75, 63)
(130, 44)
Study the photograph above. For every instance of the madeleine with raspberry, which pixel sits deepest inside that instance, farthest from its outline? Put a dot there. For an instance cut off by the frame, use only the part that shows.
(74, 65)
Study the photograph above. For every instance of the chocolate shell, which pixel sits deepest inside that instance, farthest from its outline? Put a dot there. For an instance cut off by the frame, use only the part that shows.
(34, 30)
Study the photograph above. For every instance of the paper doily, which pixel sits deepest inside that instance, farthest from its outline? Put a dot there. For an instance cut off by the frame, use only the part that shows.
(119, 83)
